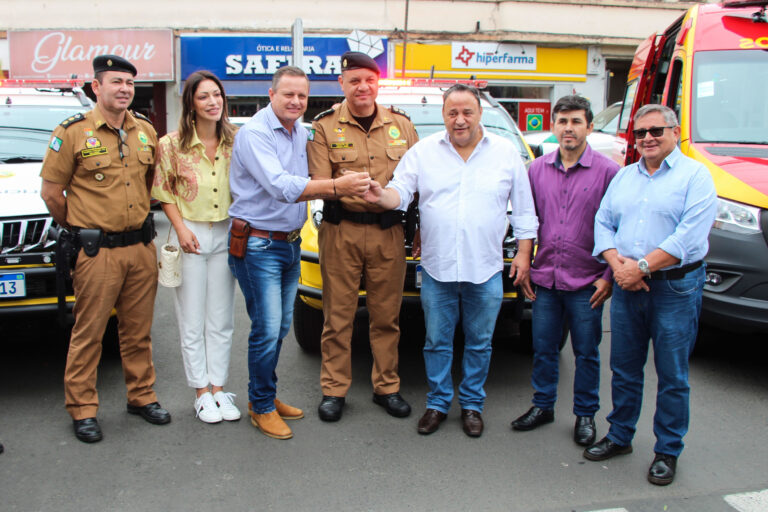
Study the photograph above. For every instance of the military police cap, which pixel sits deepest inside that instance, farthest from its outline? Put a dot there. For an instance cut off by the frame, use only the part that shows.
(113, 63)
(358, 60)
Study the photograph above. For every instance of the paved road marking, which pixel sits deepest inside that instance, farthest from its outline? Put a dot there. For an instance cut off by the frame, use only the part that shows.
(612, 510)
(748, 501)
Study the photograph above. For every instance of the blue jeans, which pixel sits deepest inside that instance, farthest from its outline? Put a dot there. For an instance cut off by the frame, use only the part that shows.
(669, 315)
(551, 309)
(479, 306)
(268, 277)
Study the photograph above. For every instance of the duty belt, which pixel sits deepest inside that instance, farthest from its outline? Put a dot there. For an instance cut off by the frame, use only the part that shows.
(675, 273)
(385, 219)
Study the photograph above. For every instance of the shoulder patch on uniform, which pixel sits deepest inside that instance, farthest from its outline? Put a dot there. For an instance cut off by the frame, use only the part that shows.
(323, 114)
(140, 116)
(396, 110)
(72, 119)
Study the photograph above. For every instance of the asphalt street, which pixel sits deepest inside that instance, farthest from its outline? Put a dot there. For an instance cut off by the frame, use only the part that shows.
(368, 460)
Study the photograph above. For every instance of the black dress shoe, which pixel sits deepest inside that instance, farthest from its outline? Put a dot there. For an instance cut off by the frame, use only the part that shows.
(431, 421)
(535, 417)
(153, 413)
(662, 470)
(87, 430)
(2, 448)
(605, 449)
(584, 431)
(394, 404)
(472, 422)
(330, 408)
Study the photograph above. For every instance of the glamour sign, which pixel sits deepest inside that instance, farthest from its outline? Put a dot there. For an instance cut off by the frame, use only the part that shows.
(493, 56)
(62, 53)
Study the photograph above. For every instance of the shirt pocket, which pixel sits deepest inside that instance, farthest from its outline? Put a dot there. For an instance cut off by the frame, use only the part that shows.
(146, 157)
(96, 167)
(394, 155)
(343, 157)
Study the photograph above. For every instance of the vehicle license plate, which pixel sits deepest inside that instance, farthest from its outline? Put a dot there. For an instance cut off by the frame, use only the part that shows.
(418, 276)
(12, 285)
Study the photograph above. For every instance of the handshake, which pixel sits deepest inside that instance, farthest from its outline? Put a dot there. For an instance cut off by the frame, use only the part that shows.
(352, 183)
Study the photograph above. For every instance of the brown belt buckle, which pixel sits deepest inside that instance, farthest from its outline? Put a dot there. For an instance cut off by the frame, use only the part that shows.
(293, 236)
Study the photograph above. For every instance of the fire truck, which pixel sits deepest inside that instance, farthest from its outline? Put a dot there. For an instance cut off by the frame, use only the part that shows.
(711, 67)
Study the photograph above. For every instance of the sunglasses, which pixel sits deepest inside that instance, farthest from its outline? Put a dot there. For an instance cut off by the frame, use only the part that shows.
(656, 131)
(124, 148)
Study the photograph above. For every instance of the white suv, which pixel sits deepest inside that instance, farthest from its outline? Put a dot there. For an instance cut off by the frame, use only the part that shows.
(29, 111)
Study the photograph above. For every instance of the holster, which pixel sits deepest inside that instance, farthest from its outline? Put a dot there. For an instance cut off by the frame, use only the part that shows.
(390, 218)
(332, 211)
(66, 257)
(148, 232)
(238, 237)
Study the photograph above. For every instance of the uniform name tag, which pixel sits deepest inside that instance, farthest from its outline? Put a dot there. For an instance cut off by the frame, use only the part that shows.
(398, 142)
(87, 153)
(342, 145)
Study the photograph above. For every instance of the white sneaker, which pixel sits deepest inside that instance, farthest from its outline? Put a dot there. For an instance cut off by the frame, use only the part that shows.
(227, 407)
(206, 409)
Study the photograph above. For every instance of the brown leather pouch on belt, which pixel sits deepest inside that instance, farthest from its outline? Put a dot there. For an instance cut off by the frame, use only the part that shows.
(238, 240)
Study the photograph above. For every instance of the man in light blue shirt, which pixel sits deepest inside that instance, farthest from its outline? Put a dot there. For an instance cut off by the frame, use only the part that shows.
(652, 229)
(270, 183)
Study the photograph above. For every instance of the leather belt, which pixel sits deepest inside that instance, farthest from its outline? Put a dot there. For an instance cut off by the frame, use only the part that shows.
(675, 273)
(289, 236)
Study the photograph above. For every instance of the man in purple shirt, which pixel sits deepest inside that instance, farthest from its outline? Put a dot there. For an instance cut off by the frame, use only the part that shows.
(570, 284)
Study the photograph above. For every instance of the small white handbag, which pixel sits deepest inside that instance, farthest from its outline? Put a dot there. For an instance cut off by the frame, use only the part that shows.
(169, 265)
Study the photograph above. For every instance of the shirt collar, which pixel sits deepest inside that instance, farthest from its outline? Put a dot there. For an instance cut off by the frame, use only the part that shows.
(483, 140)
(668, 162)
(99, 120)
(274, 123)
(585, 160)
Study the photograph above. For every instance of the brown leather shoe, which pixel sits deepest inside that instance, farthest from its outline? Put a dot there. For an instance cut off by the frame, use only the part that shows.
(288, 412)
(272, 425)
(473, 422)
(431, 421)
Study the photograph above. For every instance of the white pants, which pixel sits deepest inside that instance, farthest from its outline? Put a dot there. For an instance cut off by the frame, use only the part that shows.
(204, 306)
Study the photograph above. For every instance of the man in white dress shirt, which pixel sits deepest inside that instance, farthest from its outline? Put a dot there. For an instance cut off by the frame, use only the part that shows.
(465, 177)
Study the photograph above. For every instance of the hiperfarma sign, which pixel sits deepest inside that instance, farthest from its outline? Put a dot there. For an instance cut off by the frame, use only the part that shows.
(493, 56)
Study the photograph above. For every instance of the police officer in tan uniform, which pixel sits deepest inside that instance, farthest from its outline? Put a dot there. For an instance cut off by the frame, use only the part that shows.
(103, 160)
(357, 238)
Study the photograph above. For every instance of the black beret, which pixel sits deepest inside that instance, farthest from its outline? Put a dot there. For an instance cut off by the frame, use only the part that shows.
(357, 60)
(112, 63)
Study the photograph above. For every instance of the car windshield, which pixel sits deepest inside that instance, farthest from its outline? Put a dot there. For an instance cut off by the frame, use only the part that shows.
(428, 119)
(730, 103)
(607, 121)
(25, 131)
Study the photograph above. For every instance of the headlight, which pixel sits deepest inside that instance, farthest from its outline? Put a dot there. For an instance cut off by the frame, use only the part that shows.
(316, 212)
(737, 218)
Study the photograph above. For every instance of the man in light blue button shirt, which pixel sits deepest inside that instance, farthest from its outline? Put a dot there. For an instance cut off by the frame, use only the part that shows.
(269, 182)
(652, 229)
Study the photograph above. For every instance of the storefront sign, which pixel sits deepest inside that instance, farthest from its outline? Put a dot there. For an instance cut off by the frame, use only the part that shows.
(533, 116)
(258, 57)
(492, 61)
(493, 56)
(62, 53)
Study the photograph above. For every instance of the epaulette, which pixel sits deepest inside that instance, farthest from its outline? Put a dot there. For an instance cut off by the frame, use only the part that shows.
(396, 110)
(323, 114)
(72, 119)
(140, 116)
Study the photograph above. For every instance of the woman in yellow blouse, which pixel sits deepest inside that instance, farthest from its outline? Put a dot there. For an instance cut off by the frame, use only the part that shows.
(192, 182)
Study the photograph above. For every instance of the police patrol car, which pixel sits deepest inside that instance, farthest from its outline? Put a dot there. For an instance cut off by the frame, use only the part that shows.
(29, 111)
(421, 100)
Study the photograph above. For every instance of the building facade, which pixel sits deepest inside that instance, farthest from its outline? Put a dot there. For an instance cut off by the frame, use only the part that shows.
(531, 52)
